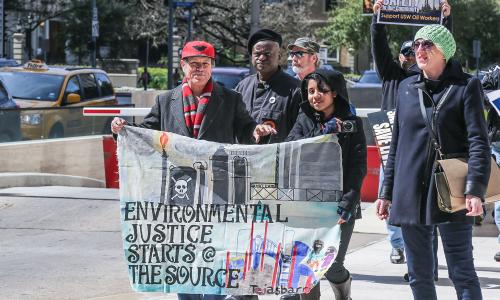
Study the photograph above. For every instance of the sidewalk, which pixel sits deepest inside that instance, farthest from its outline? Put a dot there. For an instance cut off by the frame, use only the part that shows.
(82, 249)
(374, 277)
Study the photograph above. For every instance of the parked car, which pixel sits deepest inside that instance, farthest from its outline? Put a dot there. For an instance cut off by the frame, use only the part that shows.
(5, 62)
(229, 77)
(367, 92)
(10, 129)
(38, 87)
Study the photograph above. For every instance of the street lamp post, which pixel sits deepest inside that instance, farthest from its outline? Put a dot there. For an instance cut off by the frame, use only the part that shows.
(2, 32)
(171, 10)
(95, 34)
(28, 35)
(170, 64)
(254, 25)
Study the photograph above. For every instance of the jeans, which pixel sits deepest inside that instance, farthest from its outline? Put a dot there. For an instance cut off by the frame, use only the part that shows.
(395, 236)
(457, 246)
(200, 297)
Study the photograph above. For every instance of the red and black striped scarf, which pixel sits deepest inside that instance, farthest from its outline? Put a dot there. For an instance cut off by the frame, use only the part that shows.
(194, 111)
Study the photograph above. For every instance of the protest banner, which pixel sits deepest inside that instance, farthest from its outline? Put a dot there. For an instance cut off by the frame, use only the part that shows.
(381, 123)
(494, 98)
(410, 12)
(207, 218)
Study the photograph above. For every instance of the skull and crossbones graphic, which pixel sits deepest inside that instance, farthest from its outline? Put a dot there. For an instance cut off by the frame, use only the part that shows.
(181, 187)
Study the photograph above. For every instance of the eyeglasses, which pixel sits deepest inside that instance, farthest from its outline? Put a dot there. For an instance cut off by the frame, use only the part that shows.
(408, 52)
(199, 65)
(299, 54)
(425, 44)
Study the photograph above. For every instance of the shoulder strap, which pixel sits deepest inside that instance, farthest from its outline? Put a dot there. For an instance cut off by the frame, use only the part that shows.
(423, 111)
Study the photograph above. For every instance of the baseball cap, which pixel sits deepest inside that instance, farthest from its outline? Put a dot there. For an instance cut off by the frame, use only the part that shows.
(198, 48)
(306, 43)
(407, 48)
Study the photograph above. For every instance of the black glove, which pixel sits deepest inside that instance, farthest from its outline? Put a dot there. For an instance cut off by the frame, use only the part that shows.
(331, 126)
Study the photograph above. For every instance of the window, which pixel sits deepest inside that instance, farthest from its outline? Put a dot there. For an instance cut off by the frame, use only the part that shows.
(33, 86)
(333, 54)
(73, 86)
(89, 86)
(104, 84)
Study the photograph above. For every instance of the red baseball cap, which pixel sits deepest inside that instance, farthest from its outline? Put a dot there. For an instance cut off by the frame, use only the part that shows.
(198, 48)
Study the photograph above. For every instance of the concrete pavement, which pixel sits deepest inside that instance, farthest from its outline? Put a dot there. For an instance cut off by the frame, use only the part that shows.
(65, 243)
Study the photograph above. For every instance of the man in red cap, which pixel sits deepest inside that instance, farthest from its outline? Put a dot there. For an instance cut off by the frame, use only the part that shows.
(202, 109)
(199, 107)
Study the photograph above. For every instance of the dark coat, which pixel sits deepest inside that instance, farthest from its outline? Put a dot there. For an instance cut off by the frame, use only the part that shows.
(353, 144)
(389, 70)
(461, 128)
(225, 117)
(279, 104)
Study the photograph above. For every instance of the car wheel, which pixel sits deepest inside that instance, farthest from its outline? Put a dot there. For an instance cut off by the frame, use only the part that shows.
(56, 132)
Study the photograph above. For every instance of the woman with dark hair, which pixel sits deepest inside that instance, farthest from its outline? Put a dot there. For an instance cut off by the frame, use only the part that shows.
(326, 110)
(439, 115)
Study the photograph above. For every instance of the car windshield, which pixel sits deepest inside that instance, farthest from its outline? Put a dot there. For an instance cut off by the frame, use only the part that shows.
(369, 77)
(33, 86)
(227, 80)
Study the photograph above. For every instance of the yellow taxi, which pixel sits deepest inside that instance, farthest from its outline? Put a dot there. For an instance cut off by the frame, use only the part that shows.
(52, 99)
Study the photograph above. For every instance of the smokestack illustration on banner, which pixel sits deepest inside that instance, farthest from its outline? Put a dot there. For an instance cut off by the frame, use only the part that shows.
(220, 176)
(164, 166)
(240, 165)
(202, 185)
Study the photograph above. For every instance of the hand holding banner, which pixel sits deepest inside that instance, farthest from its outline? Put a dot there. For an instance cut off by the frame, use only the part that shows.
(415, 13)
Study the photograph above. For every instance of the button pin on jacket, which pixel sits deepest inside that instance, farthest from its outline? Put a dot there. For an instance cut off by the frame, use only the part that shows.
(272, 100)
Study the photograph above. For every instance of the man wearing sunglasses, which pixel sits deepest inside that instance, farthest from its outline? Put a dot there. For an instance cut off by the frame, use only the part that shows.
(271, 96)
(304, 54)
(392, 72)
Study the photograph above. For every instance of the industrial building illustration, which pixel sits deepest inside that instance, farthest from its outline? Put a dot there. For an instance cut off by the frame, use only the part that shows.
(302, 172)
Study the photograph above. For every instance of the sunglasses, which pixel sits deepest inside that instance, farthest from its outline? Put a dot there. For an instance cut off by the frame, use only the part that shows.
(408, 52)
(299, 54)
(425, 44)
